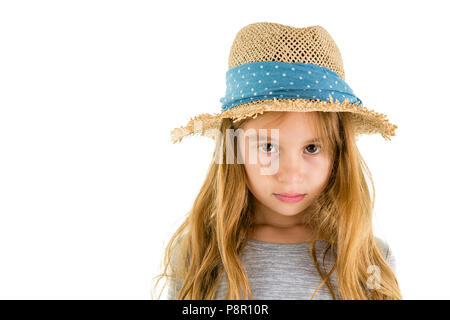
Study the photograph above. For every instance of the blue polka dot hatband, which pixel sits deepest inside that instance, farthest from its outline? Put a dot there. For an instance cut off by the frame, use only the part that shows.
(273, 67)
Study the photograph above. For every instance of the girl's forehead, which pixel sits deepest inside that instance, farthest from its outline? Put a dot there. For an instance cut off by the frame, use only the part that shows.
(280, 120)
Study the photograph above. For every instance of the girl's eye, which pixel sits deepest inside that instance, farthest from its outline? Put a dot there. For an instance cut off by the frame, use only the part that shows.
(263, 146)
(312, 149)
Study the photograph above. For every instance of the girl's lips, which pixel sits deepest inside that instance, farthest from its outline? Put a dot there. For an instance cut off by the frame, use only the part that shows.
(290, 194)
(285, 197)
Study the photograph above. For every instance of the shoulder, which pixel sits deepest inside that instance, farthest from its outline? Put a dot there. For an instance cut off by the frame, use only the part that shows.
(175, 282)
(382, 245)
(387, 252)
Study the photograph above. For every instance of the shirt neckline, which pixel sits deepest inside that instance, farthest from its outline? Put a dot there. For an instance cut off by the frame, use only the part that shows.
(272, 247)
(263, 245)
(277, 243)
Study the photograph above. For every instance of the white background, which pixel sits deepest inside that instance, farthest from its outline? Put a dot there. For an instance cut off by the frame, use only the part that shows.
(91, 187)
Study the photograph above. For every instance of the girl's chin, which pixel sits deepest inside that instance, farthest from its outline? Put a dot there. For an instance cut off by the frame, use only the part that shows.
(292, 211)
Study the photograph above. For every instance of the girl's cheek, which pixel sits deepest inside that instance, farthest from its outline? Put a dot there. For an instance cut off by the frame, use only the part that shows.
(262, 159)
(268, 160)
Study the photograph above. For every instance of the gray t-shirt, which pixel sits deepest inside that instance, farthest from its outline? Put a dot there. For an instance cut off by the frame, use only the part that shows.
(283, 271)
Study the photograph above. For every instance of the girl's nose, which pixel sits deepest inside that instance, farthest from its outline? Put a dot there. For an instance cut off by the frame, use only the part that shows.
(291, 168)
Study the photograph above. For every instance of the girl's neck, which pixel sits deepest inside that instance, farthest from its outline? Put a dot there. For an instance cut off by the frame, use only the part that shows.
(295, 234)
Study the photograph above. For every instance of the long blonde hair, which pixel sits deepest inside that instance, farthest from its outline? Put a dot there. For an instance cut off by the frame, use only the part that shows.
(215, 231)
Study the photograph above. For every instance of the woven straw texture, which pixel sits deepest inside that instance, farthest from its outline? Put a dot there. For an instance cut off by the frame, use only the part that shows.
(266, 41)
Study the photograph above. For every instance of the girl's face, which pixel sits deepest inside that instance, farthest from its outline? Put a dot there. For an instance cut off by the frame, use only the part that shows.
(287, 162)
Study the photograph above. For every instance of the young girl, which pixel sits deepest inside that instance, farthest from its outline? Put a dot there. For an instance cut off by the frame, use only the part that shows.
(285, 211)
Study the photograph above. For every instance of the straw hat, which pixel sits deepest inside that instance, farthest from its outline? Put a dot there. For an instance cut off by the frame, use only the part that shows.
(275, 67)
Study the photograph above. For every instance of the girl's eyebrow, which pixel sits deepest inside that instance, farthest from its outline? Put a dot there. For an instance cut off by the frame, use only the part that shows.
(314, 140)
(254, 136)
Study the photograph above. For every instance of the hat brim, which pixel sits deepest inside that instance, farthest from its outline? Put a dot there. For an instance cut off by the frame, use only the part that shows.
(366, 121)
